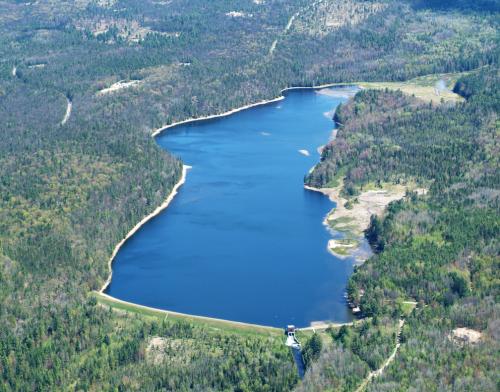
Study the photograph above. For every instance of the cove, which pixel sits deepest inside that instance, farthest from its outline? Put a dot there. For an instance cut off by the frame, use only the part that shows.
(243, 240)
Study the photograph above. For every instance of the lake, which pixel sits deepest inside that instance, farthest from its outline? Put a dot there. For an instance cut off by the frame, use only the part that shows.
(243, 240)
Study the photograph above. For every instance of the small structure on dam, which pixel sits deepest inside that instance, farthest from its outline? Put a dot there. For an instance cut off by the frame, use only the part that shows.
(291, 339)
(293, 343)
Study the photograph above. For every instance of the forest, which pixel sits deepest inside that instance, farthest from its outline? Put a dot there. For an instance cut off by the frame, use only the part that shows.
(75, 178)
(437, 251)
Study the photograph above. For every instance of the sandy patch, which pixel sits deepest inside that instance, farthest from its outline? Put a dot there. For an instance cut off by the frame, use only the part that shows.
(155, 351)
(336, 93)
(41, 65)
(341, 248)
(106, 3)
(174, 351)
(118, 86)
(322, 325)
(465, 335)
(353, 218)
(357, 218)
(238, 14)
(333, 243)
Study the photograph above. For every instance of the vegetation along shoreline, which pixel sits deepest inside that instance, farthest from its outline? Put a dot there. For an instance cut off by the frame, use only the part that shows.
(163, 206)
(160, 130)
(175, 190)
(146, 219)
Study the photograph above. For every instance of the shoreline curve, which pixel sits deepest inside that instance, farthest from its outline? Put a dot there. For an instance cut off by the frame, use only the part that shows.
(174, 192)
(163, 128)
(157, 211)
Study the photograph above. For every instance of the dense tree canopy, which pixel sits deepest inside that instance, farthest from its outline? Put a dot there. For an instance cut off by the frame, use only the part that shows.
(439, 250)
(70, 190)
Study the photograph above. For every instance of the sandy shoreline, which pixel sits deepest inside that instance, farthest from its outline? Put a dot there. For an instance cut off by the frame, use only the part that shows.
(158, 131)
(164, 205)
(355, 219)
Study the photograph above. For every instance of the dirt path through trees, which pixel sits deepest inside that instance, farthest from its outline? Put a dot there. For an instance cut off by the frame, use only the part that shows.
(289, 26)
(67, 115)
(388, 361)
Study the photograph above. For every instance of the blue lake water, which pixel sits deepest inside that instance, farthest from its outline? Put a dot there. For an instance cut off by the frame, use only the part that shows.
(243, 240)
